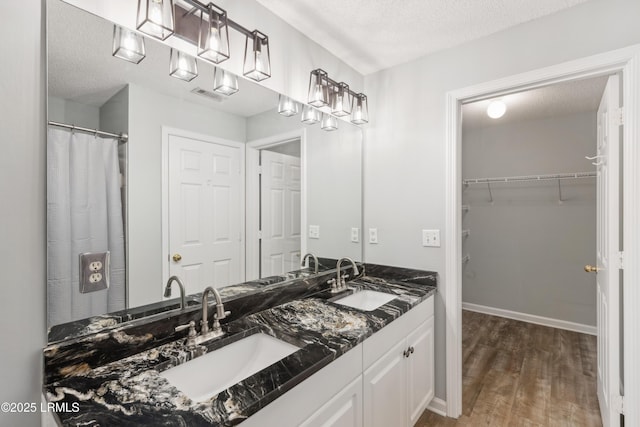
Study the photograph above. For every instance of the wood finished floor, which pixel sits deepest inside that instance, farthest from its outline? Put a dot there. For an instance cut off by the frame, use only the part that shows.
(520, 374)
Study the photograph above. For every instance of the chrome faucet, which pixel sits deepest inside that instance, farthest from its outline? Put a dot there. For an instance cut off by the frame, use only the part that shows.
(315, 261)
(339, 283)
(220, 314)
(167, 290)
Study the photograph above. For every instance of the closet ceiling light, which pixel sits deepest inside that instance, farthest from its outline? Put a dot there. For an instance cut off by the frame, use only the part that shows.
(182, 66)
(156, 18)
(128, 45)
(224, 82)
(257, 62)
(329, 122)
(287, 106)
(496, 109)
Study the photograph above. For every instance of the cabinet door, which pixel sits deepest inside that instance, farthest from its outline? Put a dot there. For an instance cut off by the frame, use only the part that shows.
(420, 371)
(385, 388)
(344, 410)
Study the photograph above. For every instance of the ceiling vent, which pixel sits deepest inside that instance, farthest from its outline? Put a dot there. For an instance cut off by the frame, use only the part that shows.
(209, 94)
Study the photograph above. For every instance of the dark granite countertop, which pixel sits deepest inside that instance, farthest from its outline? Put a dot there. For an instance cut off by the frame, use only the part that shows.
(130, 391)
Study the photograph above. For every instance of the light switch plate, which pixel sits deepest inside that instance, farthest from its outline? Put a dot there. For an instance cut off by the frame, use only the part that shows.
(314, 231)
(94, 271)
(373, 235)
(355, 234)
(431, 238)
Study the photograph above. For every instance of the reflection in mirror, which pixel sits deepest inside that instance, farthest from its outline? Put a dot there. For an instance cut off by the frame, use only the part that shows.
(216, 189)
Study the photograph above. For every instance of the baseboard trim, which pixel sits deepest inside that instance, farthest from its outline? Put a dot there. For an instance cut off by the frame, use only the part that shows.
(531, 318)
(438, 406)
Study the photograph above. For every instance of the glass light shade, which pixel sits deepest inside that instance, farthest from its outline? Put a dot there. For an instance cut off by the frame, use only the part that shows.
(318, 89)
(341, 100)
(287, 106)
(156, 18)
(257, 61)
(496, 109)
(213, 35)
(360, 110)
(224, 82)
(310, 115)
(182, 66)
(128, 45)
(329, 122)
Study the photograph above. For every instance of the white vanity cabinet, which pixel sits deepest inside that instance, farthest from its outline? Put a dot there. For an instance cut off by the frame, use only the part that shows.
(399, 384)
(388, 380)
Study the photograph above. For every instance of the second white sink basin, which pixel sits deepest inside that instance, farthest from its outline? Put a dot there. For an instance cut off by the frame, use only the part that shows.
(208, 375)
(366, 300)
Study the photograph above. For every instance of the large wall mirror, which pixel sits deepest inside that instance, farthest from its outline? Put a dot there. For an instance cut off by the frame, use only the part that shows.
(215, 189)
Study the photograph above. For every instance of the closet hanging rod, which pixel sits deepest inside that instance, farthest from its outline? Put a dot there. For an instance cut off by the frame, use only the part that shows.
(524, 178)
(121, 136)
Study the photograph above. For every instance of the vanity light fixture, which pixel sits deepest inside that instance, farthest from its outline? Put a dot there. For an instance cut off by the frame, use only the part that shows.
(318, 88)
(257, 61)
(128, 45)
(310, 115)
(224, 82)
(287, 106)
(360, 109)
(341, 100)
(182, 66)
(329, 122)
(496, 109)
(213, 36)
(156, 18)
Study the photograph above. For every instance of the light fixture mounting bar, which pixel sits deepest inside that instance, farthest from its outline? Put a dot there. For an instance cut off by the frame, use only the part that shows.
(332, 82)
(197, 5)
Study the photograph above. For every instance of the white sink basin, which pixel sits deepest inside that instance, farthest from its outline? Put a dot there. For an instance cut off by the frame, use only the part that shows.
(366, 300)
(208, 375)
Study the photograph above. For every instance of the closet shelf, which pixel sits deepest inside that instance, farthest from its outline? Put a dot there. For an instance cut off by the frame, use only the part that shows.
(551, 177)
(526, 178)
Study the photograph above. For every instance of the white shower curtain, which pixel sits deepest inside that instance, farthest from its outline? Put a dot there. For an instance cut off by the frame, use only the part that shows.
(84, 214)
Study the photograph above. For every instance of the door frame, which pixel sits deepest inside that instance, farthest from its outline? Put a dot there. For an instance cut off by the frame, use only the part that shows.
(626, 61)
(166, 132)
(252, 191)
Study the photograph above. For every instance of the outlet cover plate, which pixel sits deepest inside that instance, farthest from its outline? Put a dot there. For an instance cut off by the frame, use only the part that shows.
(94, 271)
(314, 231)
(355, 234)
(373, 235)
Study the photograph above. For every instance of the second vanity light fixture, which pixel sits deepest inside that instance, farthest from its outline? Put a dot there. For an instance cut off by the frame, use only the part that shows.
(204, 25)
(326, 92)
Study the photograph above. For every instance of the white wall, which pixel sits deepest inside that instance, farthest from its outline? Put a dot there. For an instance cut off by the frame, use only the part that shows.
(73, 113)
(528, 250)
(23, 208)
(148, 112)
(404, 148)
(334, 180)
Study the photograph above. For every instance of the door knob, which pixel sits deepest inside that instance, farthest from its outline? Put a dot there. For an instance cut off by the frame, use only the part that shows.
(177, 257)
(591, 268)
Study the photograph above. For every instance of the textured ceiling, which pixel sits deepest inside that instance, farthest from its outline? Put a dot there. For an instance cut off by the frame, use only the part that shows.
(371, 35)
(81, 67)
(555, 100)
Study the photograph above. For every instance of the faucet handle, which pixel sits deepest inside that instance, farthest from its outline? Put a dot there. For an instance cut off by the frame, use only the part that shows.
(192, 328)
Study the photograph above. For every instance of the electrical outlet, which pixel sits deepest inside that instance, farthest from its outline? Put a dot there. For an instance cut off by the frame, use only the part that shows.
(314, 231)
(431, 238)
(355, 235)
(373, 235)
(94, 271)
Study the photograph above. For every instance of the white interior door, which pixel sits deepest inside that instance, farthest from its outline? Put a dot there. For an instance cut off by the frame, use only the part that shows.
(205, 213)
(608, 265)
(280, 208)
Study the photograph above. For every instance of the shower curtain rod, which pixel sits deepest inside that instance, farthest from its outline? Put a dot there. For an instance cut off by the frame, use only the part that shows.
(122, 136)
